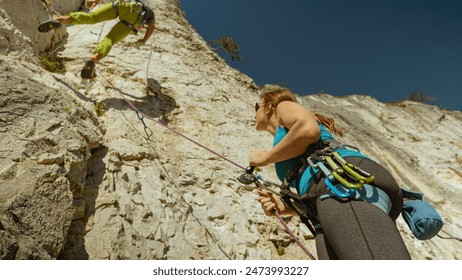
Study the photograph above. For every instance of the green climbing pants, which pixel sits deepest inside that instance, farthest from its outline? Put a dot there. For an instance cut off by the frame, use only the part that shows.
(128, 11)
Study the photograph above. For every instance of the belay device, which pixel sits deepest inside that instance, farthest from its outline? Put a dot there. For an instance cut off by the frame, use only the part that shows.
(248, 178)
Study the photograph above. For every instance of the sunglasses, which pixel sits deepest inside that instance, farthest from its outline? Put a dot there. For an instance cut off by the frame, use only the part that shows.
(257, 106)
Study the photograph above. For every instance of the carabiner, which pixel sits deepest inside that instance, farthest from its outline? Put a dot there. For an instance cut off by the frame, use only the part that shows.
(345, 182)
(328, 180)
(338, 172)
(334, 189)
(326, 171)
(353, 170)
(334, 166)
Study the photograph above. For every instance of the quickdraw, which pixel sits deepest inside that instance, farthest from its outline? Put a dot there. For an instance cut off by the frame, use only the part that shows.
(329, 180)
(354, 170)
(343, 172)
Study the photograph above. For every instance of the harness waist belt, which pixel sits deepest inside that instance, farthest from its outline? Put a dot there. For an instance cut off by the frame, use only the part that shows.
(116, 8)
(302, 163)
(367, 193)
(140, 14)
(131, 26)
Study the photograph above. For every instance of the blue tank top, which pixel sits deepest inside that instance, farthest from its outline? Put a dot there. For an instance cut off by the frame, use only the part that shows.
(302, 183)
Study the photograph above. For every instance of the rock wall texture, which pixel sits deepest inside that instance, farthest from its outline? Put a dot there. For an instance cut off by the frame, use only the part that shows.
(83, 176)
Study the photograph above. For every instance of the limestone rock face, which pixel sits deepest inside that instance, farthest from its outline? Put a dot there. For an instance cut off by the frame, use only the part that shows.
(97, 169)
(46, 142)
(64, 7)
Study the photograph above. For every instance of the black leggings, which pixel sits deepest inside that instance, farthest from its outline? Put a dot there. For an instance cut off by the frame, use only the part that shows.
(357, 229)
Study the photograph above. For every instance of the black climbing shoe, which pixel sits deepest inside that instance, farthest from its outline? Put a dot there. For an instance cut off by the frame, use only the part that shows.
(88, 70)
(48, 25)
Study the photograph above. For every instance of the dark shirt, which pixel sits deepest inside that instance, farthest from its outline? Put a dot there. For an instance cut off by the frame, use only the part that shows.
(148, 17)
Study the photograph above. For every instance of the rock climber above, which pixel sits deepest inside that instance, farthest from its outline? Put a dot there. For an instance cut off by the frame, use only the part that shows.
(133, 16)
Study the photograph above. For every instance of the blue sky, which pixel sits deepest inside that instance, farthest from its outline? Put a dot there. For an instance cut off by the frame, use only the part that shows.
(386, 49)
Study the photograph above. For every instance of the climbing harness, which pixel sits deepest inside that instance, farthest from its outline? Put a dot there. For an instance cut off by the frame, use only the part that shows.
(343, 180)
(136, 6)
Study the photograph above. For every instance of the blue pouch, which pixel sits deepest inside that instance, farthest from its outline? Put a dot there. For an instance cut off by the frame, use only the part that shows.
(423, 220)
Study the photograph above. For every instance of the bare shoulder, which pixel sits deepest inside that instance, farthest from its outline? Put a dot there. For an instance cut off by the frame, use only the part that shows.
(290, 112)
(290, 107)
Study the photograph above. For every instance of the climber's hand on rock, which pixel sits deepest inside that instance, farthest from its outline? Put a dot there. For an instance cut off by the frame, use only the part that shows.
(90, 4)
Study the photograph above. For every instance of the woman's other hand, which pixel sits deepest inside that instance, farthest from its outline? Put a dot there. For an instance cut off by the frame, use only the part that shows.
(269, 203)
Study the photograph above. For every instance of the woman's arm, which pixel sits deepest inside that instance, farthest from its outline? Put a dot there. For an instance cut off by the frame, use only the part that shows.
(150, 29)
(303, 131)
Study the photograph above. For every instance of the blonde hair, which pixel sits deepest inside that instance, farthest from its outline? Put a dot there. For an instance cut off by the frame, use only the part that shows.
(274, 95)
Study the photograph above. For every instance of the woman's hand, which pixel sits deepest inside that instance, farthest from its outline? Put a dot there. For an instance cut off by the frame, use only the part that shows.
(258, 158)
(90, 4)
(269, 203)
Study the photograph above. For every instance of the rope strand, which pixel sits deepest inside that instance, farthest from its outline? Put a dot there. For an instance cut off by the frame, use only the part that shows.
(293, 236)
(450, 236)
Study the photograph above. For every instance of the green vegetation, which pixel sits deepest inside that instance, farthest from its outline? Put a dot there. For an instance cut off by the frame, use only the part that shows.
(416, 96)
(228, 44)
(281, 251)
(420, 96)
(52, 64)
(100, 108)
(67, 109)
